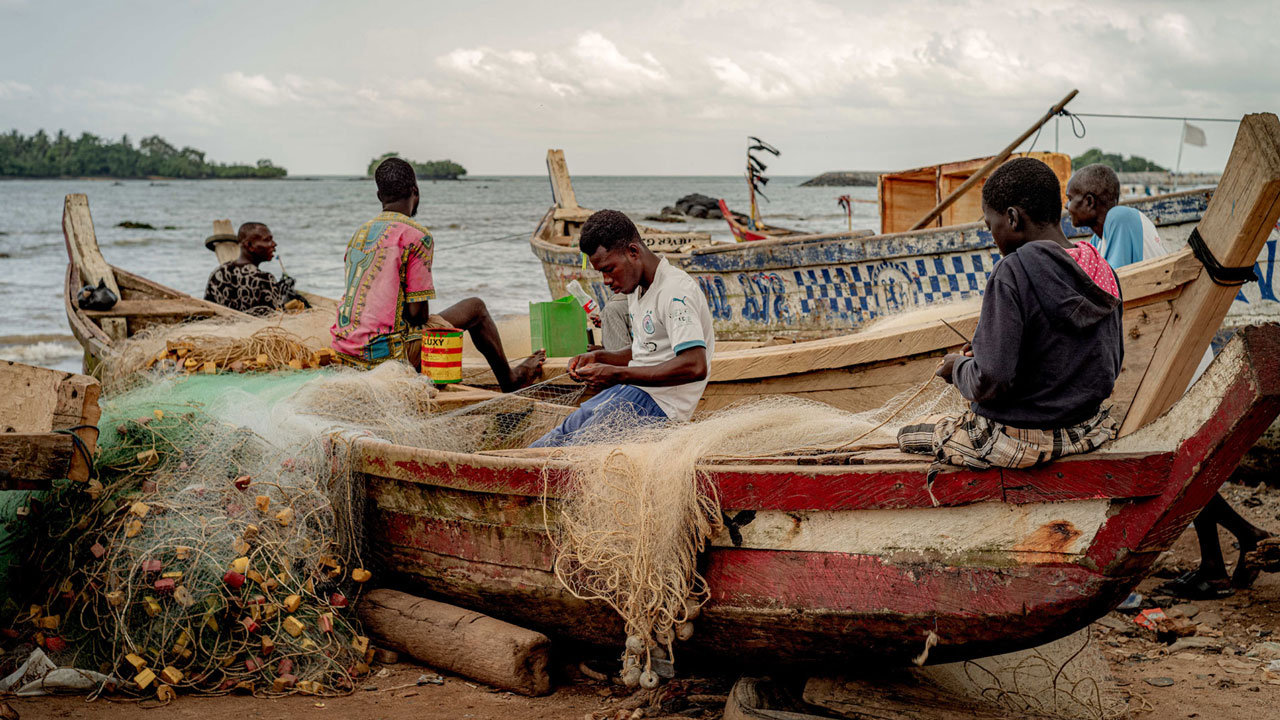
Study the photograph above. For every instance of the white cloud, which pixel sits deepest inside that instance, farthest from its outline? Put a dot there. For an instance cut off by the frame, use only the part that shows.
(259, 89)
(10, 89)
(885, 84)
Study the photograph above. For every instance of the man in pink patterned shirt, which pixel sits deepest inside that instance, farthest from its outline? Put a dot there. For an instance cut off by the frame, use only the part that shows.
(389, 284)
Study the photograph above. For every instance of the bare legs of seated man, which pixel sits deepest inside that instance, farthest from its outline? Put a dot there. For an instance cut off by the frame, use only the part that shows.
(1210, 580)
(473, 316)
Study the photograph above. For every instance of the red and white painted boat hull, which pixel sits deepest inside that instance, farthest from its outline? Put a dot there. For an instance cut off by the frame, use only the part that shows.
(850, 563)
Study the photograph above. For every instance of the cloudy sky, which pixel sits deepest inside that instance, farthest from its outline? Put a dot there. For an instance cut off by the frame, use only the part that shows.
(634, 88)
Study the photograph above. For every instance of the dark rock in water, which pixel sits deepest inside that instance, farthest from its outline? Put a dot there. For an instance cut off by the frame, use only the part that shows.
(844, 178)
(135, 225)
(697, 205)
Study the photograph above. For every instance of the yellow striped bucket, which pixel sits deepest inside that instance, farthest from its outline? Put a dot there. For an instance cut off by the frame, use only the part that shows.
(442, 354)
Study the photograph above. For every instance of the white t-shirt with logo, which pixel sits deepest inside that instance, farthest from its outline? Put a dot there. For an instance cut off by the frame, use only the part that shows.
(671, 316)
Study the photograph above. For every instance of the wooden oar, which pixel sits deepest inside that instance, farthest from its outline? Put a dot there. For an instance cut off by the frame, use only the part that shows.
(992, 164)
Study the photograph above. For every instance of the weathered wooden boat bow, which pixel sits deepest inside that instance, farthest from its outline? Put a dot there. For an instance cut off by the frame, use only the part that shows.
(846, 557)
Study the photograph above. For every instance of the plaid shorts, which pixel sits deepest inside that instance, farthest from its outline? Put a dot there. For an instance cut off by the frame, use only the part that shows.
(971, 440)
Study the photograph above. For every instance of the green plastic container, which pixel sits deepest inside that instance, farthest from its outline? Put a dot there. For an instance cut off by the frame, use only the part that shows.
(559, 327)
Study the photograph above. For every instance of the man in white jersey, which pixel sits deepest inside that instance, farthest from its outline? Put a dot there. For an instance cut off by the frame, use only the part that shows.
(662, 374)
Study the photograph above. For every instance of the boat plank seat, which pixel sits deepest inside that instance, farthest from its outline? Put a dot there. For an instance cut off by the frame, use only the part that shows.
(154, 308)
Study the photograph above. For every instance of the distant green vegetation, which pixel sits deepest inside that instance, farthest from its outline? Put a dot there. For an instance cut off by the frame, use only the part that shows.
(431, 170)
(1119, 163)
(91, 156)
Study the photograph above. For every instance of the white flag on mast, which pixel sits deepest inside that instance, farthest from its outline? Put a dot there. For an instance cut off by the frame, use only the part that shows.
(1192, 135)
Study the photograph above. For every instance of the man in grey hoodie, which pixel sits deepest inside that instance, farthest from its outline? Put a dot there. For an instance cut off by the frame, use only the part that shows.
(1049, 342)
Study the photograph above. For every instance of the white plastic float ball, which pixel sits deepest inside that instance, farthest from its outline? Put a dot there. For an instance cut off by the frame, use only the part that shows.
(631, 676)
(635, 644)
(692, 610)
(648, 679)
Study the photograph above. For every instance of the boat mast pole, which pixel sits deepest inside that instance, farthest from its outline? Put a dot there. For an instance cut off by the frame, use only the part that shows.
(992, 164)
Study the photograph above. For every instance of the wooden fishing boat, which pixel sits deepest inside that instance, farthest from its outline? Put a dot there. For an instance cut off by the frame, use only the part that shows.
(849, 557)
(761, 231)
(853, 562)
(48, 426)
(819, 286)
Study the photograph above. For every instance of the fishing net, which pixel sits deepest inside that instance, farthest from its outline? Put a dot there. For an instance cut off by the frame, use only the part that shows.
(638, 509)
(219, 546)
(255, 343)
(1067, 678)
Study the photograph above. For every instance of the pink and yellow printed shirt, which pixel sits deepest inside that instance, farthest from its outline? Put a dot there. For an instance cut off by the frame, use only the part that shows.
(388, 264)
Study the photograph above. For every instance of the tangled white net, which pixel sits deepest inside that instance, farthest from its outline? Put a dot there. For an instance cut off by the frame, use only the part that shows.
(638, 509)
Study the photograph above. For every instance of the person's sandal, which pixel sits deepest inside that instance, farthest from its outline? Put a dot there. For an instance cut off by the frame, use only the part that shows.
(1190, 586)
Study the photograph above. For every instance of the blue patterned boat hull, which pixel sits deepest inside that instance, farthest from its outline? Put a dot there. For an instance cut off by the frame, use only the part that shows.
(827, 285)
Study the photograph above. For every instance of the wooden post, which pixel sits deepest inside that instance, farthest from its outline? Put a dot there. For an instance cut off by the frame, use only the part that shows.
(1235, 226)
(992, 164)
(82, 243)
(460, 641)
(226, 250)
(82, 247)
(561, 185)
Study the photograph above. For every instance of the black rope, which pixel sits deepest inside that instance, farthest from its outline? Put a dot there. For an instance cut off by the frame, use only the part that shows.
(1075, 119)
(1218, 273)
(79, 444)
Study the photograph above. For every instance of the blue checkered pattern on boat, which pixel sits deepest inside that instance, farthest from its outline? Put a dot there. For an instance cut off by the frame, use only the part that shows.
(851, 289)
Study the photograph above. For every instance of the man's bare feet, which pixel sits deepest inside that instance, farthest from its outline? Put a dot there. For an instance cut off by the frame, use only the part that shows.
(528, 371)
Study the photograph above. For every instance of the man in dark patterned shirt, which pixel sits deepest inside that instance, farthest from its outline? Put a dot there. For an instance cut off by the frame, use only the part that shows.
(241, 285)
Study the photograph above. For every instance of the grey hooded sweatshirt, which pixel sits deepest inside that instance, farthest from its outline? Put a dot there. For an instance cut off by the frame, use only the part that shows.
(1049, 342)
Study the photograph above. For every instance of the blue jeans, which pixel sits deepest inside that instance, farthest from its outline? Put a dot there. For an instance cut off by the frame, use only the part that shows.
(636, 403)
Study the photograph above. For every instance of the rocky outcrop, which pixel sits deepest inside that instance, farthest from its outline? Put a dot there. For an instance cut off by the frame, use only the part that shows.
(844, 178)
(699, 206)
(694, 205)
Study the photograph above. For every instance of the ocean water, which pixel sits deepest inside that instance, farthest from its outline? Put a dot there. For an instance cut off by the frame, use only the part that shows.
(481, 228)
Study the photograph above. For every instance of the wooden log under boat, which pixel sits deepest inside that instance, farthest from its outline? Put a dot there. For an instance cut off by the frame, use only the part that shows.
(48, 426)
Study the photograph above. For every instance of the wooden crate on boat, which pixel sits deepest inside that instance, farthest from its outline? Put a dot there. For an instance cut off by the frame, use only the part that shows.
(908, 195)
